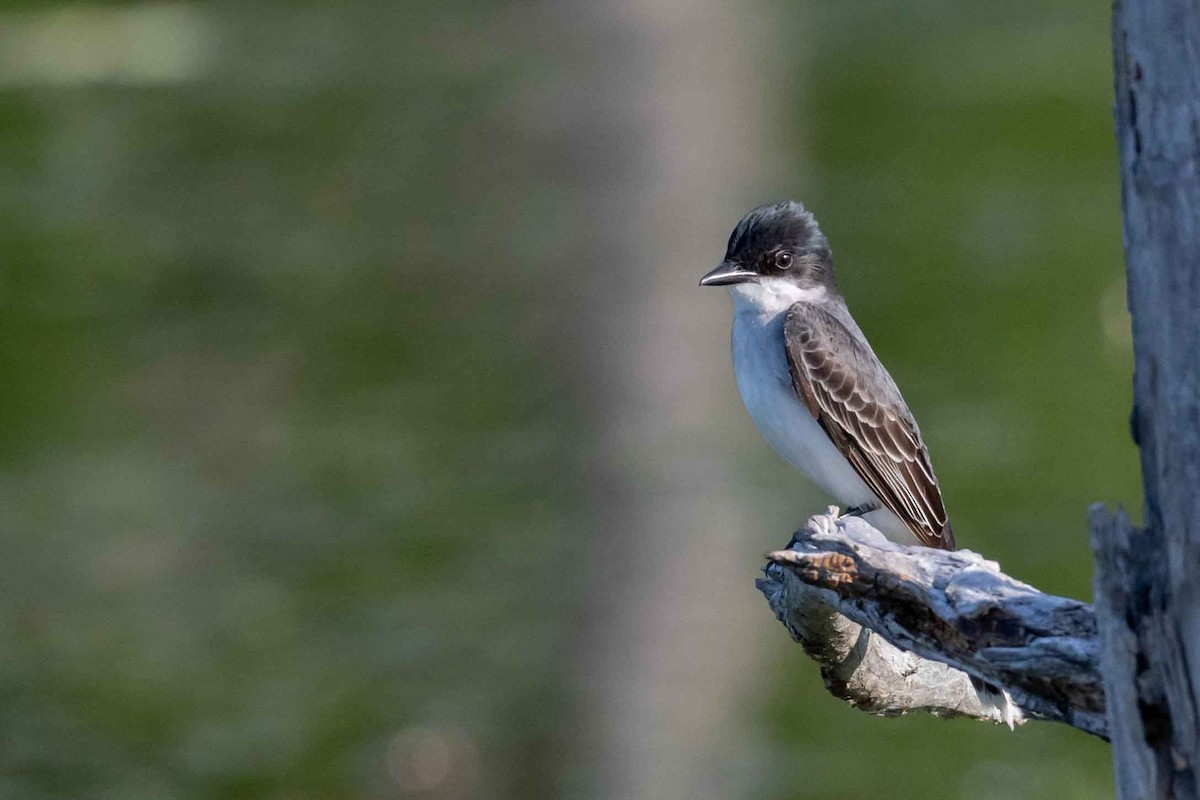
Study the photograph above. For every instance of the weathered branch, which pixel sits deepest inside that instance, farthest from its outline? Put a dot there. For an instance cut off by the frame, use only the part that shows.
(942, 614)
(1147, 602)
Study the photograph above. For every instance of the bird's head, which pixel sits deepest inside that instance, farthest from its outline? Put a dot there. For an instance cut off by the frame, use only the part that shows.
(778, 250)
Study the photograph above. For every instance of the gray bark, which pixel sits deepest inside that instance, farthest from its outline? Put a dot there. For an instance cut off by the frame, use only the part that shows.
(1147, 596)
(942, 614)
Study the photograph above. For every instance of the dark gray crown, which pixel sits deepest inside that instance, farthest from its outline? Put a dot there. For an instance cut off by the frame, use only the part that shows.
(786, 225)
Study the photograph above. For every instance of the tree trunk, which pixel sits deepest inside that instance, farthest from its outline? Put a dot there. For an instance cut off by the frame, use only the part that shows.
(667, 650)
(1147, 593)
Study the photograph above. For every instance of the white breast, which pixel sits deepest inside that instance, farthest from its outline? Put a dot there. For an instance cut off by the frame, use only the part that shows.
(761, 368)
(760, 365)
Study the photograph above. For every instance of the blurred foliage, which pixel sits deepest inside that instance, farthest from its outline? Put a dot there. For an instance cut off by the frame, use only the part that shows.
(247, 440)
(277, 388)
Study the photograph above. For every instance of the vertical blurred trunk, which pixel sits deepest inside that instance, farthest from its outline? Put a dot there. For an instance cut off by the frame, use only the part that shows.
(670, 132)
(1147, 595)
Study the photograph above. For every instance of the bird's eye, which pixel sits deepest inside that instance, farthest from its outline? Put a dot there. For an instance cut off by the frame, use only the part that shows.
(783, 259)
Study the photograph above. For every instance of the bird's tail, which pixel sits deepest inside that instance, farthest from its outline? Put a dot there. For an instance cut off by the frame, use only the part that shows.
(996, 703)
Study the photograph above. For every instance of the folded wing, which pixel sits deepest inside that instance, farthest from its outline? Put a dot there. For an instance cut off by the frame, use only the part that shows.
(857, 404)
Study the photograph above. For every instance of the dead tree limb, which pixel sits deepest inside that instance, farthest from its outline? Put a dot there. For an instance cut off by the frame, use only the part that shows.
(942, 614)
(1147, 592)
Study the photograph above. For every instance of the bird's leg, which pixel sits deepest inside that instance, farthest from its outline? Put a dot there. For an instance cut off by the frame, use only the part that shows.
(858, 511)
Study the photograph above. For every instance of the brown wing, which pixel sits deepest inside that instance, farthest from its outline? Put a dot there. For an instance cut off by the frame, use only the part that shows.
(859, 407)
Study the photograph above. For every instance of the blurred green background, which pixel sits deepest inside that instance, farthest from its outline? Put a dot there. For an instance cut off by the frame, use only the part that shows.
(364, 433)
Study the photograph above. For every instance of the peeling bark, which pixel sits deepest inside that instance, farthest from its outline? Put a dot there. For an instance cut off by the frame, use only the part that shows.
(1147, 596)
(898, 629)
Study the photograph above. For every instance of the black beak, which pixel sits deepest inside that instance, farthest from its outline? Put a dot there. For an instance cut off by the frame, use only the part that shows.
(727, 273)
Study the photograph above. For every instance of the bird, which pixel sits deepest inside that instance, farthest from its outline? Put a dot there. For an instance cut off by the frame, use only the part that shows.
(817, 392)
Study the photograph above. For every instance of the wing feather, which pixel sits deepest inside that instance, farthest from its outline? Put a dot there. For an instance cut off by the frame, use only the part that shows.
(857, 404)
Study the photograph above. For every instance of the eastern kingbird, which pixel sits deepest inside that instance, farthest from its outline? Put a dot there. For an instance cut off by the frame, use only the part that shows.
(816, 390)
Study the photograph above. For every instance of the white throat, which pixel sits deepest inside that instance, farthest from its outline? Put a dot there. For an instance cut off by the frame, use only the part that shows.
(769, 297)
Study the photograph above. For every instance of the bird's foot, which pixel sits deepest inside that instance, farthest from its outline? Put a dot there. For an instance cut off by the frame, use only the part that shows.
(858, 511)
